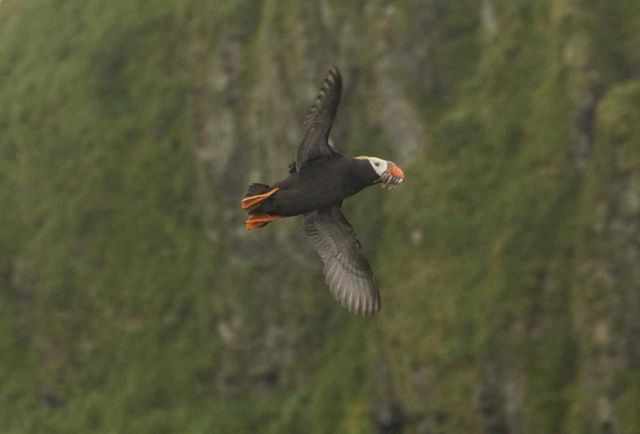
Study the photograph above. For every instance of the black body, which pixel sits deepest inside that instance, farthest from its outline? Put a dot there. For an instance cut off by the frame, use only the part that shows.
(321, 184)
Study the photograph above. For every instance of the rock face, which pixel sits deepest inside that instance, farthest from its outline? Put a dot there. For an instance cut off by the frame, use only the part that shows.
(133, 300)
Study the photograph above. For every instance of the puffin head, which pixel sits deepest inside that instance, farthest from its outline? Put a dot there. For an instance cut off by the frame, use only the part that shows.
(386, 172)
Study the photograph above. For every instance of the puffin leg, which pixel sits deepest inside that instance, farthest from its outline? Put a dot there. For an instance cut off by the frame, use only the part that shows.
(251, 201)
(259, 220)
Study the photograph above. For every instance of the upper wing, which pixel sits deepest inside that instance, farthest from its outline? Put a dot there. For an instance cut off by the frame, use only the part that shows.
(317, 123)
(346, 269)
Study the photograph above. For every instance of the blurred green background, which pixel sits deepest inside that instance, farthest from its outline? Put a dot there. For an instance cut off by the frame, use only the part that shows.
(133, 301)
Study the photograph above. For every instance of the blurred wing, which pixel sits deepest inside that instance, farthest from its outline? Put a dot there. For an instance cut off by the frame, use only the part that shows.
(346, 270)
(317, 124)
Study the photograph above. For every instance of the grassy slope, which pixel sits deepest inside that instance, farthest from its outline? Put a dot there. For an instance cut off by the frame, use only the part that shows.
(493, 240)
(108, 263)
(115, 304)
(113, 297)
(495, 256)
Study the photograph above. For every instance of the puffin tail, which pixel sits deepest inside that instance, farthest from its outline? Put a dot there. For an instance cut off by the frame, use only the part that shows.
(257, 188)
(252, 202)
(256, 196)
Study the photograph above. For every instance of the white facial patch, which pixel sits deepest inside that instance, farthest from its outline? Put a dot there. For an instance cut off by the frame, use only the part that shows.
(382, 169)
(379, 165)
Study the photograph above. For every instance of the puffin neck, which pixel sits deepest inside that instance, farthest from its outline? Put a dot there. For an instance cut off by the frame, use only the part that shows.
(364, 173)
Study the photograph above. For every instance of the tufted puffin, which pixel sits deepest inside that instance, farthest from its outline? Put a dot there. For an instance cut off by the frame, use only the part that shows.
(319, 180)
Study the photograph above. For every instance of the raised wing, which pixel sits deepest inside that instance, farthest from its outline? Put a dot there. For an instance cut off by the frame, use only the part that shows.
(317, 124)
(346, 270)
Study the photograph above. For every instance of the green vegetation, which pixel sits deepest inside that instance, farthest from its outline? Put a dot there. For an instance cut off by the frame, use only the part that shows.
(132, 300)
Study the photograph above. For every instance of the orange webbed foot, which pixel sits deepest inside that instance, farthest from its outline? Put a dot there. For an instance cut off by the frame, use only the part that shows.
(259, 220)
(251, 201)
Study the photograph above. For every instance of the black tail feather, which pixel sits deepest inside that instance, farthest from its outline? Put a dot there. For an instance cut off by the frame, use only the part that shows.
(257, 188)
(263, 206)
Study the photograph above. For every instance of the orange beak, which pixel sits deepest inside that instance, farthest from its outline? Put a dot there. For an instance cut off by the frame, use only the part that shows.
(395, 171)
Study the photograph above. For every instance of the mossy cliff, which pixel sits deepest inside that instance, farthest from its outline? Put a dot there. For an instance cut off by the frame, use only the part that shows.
(132, 299)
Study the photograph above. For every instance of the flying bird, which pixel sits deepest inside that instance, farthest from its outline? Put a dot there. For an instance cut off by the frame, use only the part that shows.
(319, 180)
